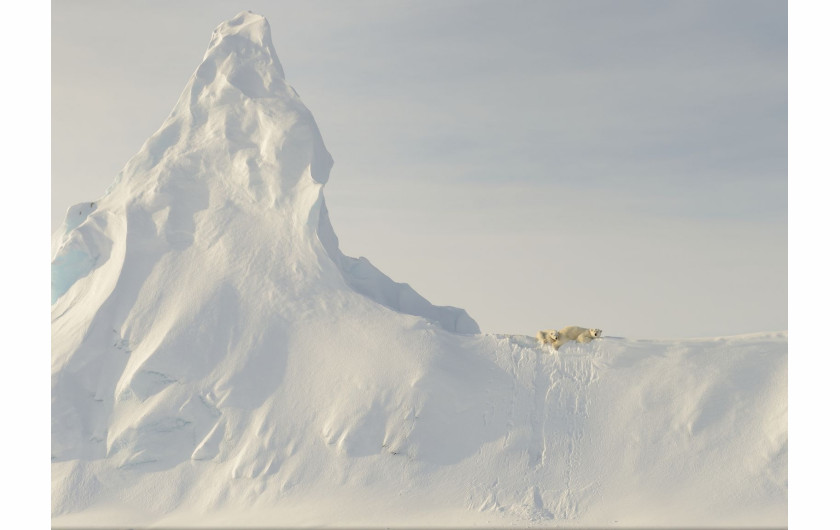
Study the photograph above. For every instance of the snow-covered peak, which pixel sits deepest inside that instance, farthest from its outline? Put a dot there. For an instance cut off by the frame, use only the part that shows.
(238, 167)
(246, 35)
(238, 117)
(241, 53)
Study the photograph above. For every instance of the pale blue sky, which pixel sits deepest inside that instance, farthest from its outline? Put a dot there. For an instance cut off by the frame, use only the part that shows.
(618, 164)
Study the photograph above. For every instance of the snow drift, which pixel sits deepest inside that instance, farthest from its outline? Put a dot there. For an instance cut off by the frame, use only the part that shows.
(216, 359)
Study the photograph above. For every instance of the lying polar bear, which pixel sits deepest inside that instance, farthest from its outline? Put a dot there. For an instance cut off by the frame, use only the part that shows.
(568, 334)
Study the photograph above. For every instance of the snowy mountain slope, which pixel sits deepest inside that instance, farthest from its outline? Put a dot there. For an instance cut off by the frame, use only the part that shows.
(239, 144)
(217, 360)
(639, 432)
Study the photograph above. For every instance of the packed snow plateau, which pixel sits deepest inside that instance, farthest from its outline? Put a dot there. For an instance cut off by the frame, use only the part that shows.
(216, 359)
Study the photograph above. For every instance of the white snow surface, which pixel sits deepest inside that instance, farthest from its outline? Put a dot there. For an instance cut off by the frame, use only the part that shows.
(216, 360)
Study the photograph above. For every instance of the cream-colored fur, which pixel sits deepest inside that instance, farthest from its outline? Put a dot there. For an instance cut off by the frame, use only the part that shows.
(583, 335)
(568, 334)
(548, 336)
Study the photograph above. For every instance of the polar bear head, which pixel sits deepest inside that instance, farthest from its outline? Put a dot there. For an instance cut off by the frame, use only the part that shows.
(553, 335)
(594, 332)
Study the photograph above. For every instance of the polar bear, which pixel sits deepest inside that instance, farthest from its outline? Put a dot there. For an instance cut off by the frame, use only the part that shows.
(548, 336)
(577, 333)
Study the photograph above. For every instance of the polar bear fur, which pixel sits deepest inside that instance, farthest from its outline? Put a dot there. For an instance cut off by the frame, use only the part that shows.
(548, 336)
(568, 334)
(577, 333)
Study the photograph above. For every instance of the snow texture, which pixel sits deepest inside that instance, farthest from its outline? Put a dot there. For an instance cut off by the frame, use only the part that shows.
(216, 360)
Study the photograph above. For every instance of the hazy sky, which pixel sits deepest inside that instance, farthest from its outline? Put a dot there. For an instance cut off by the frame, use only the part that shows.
(620, 164)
